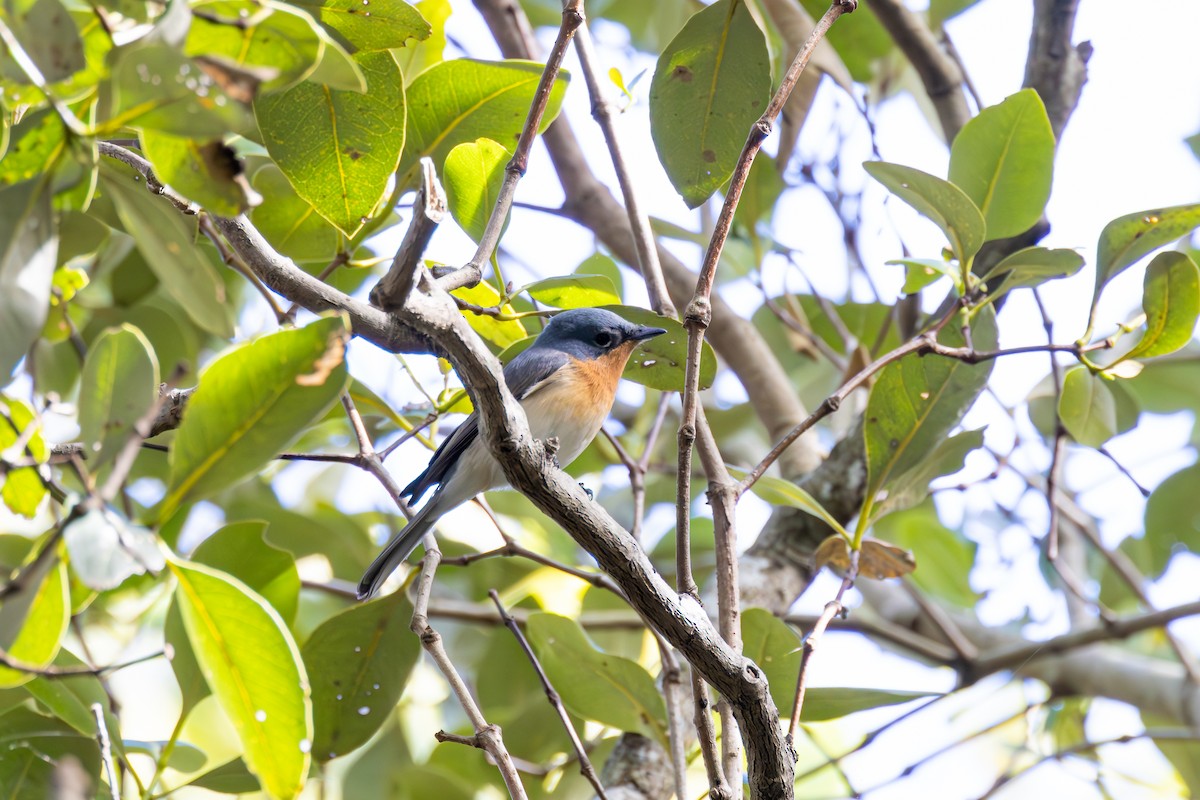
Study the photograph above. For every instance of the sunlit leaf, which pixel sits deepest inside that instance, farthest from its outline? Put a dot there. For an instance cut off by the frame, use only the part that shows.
(463, 100)
(1126, 239)
(239, 549)
(250, 403)
(254, 668)
(1030, 267)
(33, 620)
(1003, 158)
(500, 332)
(574, 291)
(337, 147)
(374, 25)
(289, 222)
(205, 172)
(472, 177)
(23, 489)
(779, 492)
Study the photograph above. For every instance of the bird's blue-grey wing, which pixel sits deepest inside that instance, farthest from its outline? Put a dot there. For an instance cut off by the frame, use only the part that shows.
(523, 375)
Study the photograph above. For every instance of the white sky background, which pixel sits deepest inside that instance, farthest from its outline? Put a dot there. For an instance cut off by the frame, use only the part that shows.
(1122, 152)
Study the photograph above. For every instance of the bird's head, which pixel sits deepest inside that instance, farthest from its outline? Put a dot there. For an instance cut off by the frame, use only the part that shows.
(590, 333)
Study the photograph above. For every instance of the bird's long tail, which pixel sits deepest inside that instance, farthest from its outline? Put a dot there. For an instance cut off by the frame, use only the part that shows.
(397, 550)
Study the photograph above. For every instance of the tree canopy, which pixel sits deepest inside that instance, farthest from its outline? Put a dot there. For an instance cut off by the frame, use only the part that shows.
(258, 258)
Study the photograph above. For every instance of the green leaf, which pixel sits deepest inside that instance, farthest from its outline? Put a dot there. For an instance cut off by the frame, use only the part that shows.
(1171, 300)
(239, 549)
(772, 644)
(1172, 517)
(917, 401)
(183, 757)
(710, 85)
(23, 489)
(463, 100)
(232, 777)
(946, 556)
(1087, 408)
(574, 291)
(49, 740)
(118, 387)
(501, 333)
(70, 698)
(264, 38)
(289, 222)
(360, 661)
(660, 363)
(1003, 159)
(167, 241)
(204, 172)
(472, 175)
(374, 25)
(834, 703)
(33, 621)
(1032, 266)
(105, 549)
(251, 403)
(337, 147)
(1180, 752)
(921, 272)
(603, 688)
(945, 458)
(193, 687)
(937, 200)
(779, 492)
(28, 253)
(1126, 239)
(416, 57)
(48, 35)
(255, 671)
(184, 102)
(36, 144)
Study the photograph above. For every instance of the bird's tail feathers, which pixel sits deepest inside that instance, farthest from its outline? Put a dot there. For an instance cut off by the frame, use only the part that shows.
(396, 551)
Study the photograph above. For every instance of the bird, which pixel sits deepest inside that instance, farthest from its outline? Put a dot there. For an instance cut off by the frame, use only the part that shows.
(566, 381)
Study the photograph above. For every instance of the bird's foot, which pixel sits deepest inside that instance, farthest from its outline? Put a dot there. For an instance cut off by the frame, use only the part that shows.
(591, 495)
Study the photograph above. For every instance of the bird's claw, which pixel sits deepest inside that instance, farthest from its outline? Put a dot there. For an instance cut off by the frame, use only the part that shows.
(591, 495)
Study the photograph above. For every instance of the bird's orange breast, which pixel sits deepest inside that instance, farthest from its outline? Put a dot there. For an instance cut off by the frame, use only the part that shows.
(596, 380)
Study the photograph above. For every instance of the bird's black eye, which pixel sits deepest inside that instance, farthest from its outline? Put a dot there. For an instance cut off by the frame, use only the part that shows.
(604, 339)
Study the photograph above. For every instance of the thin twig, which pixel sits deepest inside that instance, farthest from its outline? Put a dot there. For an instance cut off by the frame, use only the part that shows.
(106, 757)
(585, 765)
(469, 274)
(833, 609)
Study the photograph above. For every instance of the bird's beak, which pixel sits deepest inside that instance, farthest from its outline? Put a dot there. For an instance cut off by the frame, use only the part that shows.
(642, 332)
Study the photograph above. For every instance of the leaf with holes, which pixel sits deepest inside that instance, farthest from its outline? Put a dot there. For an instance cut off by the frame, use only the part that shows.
(339, 147)
(1171, 300)
(359, 660)
(1126, 239)
(370, 25)
(711, 83)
